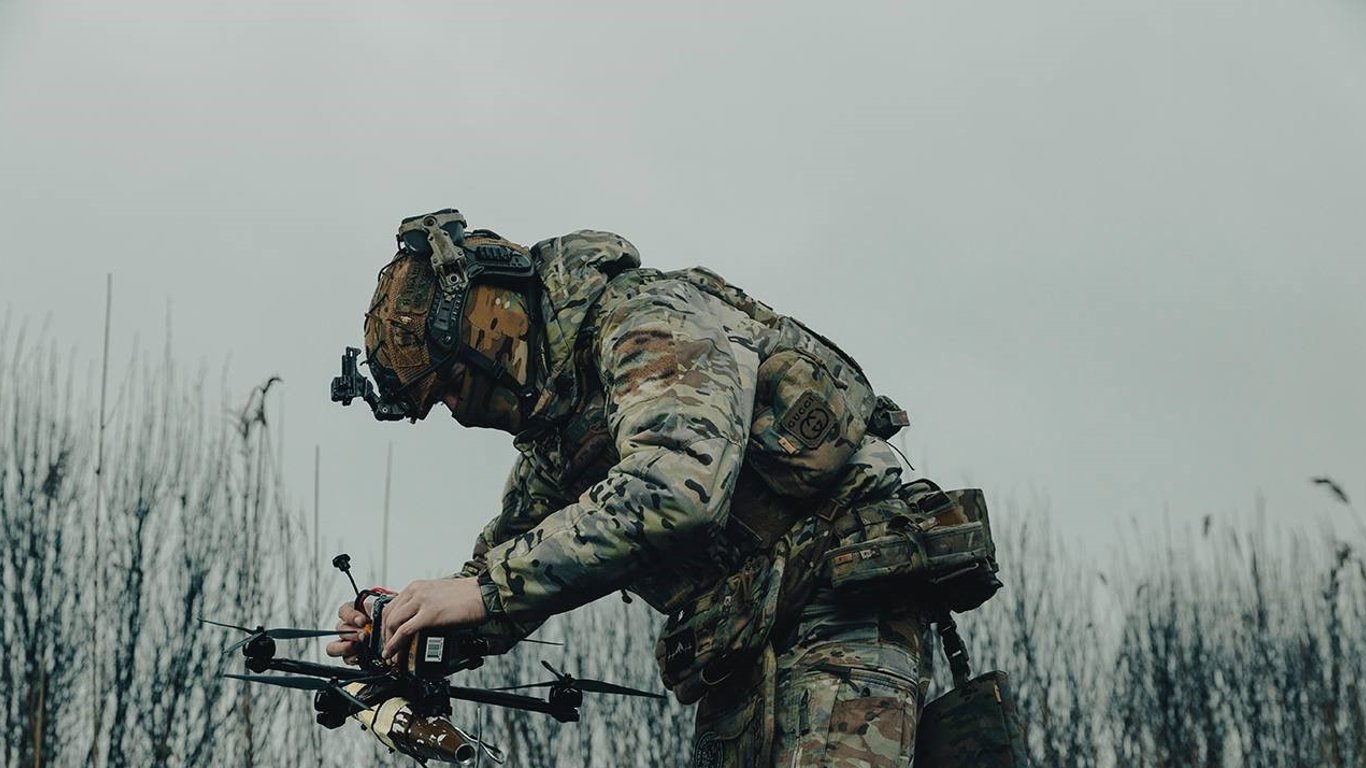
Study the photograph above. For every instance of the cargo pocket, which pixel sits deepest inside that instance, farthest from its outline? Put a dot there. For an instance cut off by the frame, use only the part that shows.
(851, 716)
(804, 719)
(873, 720)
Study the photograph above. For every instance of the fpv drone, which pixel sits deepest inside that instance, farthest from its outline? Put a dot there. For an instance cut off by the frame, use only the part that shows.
(406, 704)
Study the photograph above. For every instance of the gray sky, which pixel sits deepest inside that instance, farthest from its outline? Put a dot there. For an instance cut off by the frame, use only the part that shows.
(1110, 255)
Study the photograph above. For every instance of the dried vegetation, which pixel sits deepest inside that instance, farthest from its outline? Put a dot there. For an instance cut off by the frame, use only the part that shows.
(1220, 648)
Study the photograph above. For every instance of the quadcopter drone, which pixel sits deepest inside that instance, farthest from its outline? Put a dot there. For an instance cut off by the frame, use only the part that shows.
(406, 704)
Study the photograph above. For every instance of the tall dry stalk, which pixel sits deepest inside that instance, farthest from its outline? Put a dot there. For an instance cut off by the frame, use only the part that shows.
(171, 479)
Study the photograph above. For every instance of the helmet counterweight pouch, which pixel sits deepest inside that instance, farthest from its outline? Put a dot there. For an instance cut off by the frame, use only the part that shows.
(975, 725)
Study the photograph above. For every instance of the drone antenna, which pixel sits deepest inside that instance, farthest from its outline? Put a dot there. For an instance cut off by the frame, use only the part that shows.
(342, 563)
(553, 671)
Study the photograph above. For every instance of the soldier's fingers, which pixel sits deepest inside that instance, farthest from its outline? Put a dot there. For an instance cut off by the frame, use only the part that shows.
(350, 615)
(396, 604)
(349, 628)
(348, 634)
(349, 644)
(341, 648)
(398, 637)
(346, 613)
(396, 613)
(409, 593)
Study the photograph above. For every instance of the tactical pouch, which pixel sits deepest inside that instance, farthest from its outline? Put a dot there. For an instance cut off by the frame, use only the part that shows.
(734, 724)
(938, 542)
(722, 631)
(975, 725)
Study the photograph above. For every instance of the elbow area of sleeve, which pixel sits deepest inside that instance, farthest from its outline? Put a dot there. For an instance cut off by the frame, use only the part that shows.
(651, 506)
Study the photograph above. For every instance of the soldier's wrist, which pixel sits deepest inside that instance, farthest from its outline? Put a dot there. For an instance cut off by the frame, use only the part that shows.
(488, 592)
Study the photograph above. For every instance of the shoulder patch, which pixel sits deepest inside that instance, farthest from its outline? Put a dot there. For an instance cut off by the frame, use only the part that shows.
(809, 420)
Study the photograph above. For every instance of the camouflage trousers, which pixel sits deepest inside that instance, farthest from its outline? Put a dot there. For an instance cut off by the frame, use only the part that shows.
(847, 695)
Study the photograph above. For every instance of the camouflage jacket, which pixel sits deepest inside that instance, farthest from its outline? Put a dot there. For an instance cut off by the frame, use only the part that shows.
(663, 388)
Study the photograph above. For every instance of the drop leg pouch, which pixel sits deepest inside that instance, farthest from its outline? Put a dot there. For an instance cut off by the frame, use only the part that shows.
(975, 725)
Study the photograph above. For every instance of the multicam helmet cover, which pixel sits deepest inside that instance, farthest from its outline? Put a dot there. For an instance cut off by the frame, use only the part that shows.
(497, 326)
(396, 334)
(448, 308)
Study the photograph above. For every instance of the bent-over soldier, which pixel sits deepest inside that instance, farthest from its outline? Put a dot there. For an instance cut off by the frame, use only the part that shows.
(677, 439)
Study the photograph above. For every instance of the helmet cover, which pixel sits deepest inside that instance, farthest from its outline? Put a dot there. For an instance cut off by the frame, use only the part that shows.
(396, 333)
(496, 323)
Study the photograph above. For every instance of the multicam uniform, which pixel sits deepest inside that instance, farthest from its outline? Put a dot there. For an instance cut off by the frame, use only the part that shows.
(676, 405)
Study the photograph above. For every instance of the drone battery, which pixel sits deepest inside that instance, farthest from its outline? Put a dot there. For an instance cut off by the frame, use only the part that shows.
(427, 653)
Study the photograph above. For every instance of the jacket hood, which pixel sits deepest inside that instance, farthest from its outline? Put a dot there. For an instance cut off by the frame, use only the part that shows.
(574, 270)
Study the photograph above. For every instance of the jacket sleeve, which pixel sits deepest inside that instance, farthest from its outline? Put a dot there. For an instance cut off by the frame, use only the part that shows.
(679, 416)
(528, 497)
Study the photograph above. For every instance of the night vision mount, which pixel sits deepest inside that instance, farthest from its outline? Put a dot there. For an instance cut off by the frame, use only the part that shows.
(352, 384)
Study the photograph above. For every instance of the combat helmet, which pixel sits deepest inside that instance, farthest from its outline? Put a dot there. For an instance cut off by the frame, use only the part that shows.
(454, 313)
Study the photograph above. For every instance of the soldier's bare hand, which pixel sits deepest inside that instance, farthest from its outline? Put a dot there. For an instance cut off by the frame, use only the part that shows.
(431, 603)
(356, 625)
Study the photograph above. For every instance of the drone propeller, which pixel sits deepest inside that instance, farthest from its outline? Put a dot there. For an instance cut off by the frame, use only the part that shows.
(587, 686)
(279, 633)
(309, 684)
(203, 620)
(301, 683)
(285, 634)
(289, 633)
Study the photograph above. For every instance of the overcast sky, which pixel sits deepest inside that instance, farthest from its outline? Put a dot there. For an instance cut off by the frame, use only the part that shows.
(1109, 254)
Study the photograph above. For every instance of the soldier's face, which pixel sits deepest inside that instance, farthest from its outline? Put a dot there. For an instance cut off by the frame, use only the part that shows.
(454, 380)
(475, 401)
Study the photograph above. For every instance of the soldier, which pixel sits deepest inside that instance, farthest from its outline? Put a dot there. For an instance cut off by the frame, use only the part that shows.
(677, 439)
